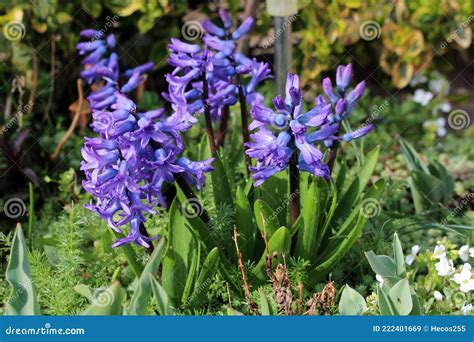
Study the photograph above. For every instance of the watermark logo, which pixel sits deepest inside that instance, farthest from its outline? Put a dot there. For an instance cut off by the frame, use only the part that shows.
(191, 208)
(370, 30)
(458, 119)
(103, 297)
(370, 208)
(14, 31)
(192, 30)
(14, 208)
(456, 33)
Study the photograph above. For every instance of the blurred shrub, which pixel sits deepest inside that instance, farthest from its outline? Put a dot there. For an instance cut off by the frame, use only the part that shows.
(401, 36)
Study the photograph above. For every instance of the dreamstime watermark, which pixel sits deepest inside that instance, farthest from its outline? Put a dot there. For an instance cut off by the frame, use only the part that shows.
(375, 114)
(192, 208)
(109, 22)
(192, 30)
(16, 118)
(370, 30)
(283, 205)
(19, 291)
(14, 208)
(465, 201)
(46, 330)
(286, 24)
(103, 297)
(14, 31)
(457, 32)
(196, 292)
(459, 119)
(370, 207)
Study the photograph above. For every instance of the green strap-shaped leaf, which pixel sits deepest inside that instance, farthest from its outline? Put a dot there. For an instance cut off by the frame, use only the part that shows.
(385, 306)
(368, 168)
(341, 178)
(108, 302)
(178, 257)
(206, 276)
(409, 153)
(269, 215)
(400, 297)
(22, 300)
(164, 307)
(345, 206)
(220, 183)
(265, 307)
(274, 192)
(200, 229)
(192, 270)
(351, 302)
(306, 244)
(398, 256)
(141, 296)
(342, 241)
(382, 264)
(245, 224)
(279, 242)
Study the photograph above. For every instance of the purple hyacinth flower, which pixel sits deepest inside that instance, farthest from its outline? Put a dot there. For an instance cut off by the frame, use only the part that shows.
(343, 77)
(329, 90)
(226, 18)
(298, 131)
(244, 28)
(359, 133)
(135, 153)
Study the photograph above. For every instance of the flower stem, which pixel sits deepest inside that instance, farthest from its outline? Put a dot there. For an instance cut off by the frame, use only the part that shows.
(221, 133)
(190, 195)
(207, 116)
(294, 188)
(332, 156)
(245, 123)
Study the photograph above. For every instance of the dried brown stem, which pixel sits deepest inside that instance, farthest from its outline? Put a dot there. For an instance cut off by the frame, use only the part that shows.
(74, 122)
(251, 304)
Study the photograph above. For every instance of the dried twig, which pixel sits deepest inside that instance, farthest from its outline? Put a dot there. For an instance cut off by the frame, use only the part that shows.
(322, 301)
(282, 288)
(280, 282)
(75, 119)
(252, 305)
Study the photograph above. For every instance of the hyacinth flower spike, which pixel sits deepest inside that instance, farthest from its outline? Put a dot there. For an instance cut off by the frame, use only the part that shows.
(285, 137)
(343, 103)
(229, 69)
(136, 153)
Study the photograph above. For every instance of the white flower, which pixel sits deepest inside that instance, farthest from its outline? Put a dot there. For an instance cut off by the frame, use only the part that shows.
(441, 132)
(444, 267)
(411, 257)
(438, 295)
(464, 253)
(418, 79)
(464, 278)
(422, 97)
(445, 106)
(379, 278)
(437, 85)
(439, 252)
(466, 308)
